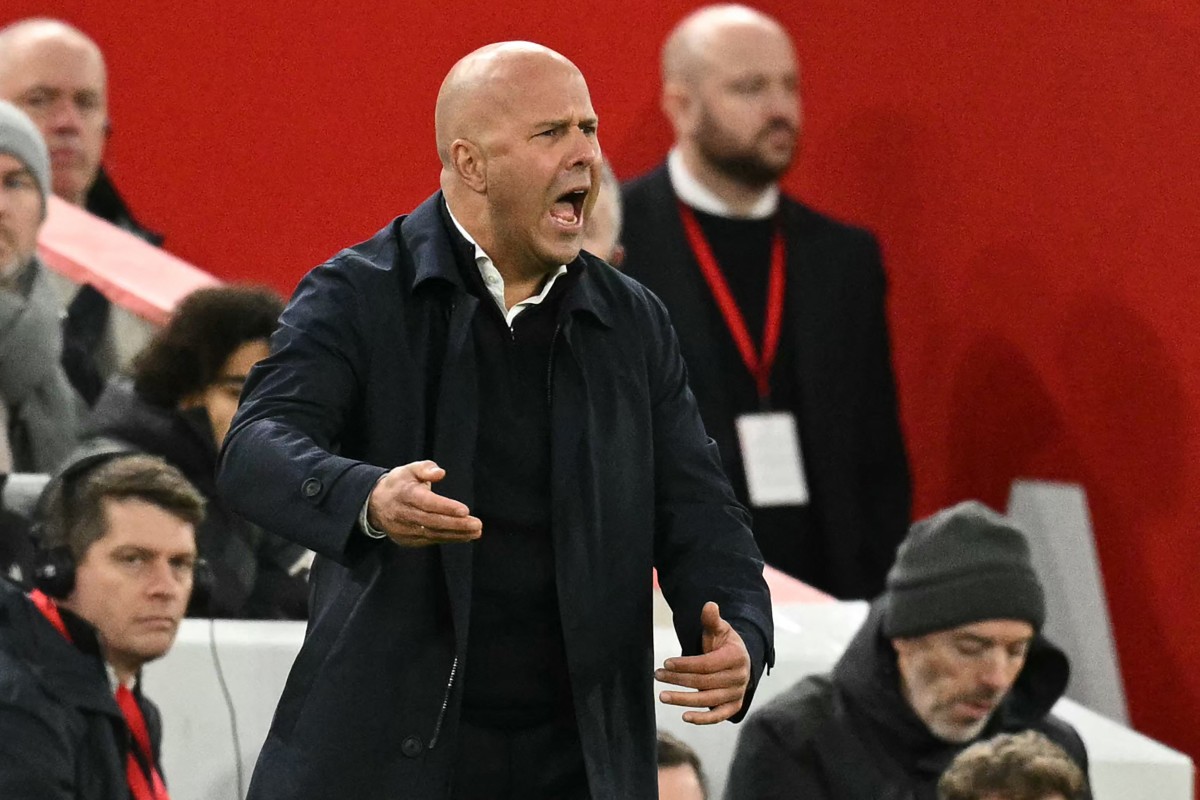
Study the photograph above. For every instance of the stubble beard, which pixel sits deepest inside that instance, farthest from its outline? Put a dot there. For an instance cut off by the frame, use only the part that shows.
(744, 164)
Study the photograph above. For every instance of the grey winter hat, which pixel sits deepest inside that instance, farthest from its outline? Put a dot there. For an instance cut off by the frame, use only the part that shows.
(962, 565)
(20, 138)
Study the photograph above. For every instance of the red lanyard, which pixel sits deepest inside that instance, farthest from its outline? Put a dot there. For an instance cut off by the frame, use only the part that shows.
(758, 365)
(143, 789)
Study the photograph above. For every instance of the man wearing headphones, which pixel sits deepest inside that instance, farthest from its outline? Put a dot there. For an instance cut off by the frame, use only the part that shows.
(114, 575)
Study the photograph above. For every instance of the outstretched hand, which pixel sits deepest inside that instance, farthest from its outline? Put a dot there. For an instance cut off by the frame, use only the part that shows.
(404, 506)
(719, 677)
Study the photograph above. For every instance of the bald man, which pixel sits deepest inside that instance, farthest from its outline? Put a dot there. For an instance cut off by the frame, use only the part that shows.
(487, 436)
(56, 74)
(779, 309)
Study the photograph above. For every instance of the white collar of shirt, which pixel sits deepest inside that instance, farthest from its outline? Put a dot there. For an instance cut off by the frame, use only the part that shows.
(494, 281)
(114, 683)
(701, 198)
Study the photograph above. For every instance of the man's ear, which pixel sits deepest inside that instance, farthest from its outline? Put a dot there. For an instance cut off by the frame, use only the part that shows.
(678, 105)
(469, 163)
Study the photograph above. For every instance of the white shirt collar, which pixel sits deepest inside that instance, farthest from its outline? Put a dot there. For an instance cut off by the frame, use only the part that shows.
(698, 196)
(114, 683)
(494, 281)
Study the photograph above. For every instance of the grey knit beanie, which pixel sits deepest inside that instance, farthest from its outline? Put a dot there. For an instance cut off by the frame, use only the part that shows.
(20, 138)
(962, 565)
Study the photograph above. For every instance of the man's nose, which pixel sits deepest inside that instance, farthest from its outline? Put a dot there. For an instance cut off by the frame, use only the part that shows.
(996, 673)
(166, 580)
(783, 102)
(586, 150)
(64, 117)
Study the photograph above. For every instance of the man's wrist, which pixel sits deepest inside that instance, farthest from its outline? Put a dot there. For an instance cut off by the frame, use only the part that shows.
(364, 523)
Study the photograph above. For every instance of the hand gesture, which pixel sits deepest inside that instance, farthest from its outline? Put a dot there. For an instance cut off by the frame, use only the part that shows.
(719, 677)
(404, 506)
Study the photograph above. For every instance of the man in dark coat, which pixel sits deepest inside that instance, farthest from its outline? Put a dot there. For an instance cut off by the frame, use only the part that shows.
(492, 639)
(119, 532)
(949, 655)
(779, 309)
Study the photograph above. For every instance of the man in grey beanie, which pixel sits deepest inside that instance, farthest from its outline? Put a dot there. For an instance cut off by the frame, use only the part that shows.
(949, 654)
(43, 411)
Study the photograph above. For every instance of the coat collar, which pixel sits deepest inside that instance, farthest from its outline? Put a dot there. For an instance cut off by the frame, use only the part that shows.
(74, 676)
(427, 239)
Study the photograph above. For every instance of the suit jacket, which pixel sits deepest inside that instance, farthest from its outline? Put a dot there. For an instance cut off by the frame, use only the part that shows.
(374, 366)
(853, 451)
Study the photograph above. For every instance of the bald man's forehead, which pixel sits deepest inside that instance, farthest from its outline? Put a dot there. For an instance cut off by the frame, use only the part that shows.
(46, 44)
(721, 37)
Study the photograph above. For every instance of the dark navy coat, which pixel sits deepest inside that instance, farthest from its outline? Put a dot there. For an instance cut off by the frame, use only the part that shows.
(374, 367)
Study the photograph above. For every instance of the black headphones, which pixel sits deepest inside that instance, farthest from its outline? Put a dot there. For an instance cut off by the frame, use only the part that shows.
(54, 516)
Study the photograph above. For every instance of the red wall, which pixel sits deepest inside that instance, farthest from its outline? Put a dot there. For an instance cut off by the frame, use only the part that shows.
(1032, 171)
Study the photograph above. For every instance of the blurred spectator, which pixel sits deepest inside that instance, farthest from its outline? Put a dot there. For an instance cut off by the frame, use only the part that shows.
(949, 654)
(43, 409)
(1025, 766)
(779, 309)
(114, 579)
(679, 774)
(185, 389)
(602, 228)
(56, 75)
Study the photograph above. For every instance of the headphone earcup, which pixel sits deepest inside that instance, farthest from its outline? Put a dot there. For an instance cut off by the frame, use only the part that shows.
(54, 572)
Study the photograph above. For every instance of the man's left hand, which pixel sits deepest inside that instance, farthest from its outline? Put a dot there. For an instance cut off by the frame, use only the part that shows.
(720, 676)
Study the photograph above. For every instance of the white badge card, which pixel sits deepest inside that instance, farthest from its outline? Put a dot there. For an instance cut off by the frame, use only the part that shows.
(771, 457)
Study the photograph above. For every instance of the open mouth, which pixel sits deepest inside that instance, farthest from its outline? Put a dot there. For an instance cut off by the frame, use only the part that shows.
(567, 210)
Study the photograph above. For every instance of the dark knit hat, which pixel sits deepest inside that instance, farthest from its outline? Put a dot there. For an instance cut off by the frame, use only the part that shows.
(962, 565)
(21, 139)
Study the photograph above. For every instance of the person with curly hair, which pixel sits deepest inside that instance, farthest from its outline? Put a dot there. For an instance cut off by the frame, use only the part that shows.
(1023, 766)
(178, 404)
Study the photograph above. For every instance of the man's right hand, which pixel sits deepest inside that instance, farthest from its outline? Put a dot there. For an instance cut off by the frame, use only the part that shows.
(404, 506)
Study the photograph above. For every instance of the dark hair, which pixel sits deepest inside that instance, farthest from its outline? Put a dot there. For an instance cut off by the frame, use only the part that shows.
(672, 752)
(1024, 766)
(75, 512)
(207, 327)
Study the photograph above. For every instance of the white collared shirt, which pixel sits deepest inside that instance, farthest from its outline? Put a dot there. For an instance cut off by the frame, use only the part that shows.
(494, 281)
(698, 196)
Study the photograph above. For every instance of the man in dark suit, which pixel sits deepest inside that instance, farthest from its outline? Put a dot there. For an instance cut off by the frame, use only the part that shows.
(780, 310)
(492, 639)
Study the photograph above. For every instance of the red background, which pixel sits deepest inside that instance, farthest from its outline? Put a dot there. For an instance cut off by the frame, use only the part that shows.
(1032, 170)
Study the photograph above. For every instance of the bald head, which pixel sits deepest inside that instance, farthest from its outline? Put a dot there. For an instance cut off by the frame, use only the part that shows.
(696, 43)
(516, 134)
(485, 84)
(56, 74)
(731, 92)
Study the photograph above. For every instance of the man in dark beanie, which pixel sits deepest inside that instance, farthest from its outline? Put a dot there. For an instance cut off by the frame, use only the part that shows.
(949, 654)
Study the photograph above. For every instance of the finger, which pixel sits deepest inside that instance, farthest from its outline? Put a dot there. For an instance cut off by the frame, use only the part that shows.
(427, 471)
(713, 715)
(708, 699)
(716, 680)
(428, 538)
(425, 499)
(710, 618)
(728, 657)
(439, 522)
